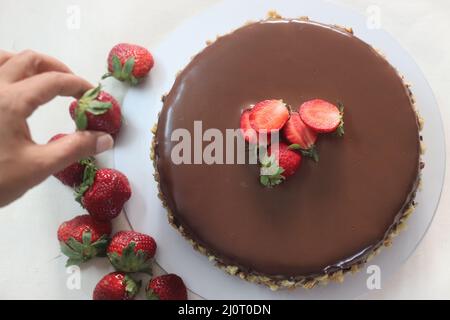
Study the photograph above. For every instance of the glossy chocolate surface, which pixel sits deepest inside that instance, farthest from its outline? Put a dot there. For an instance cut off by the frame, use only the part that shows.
(330, 214)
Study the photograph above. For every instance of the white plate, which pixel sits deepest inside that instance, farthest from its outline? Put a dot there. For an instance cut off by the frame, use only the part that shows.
(142, 104)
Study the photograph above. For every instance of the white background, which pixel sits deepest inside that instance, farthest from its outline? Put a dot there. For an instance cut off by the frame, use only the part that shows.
(30, 263)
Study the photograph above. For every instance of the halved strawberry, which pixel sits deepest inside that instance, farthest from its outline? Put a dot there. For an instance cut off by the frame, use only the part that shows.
(250, 135)
(269, 115)
(322, 116)
(301, 136)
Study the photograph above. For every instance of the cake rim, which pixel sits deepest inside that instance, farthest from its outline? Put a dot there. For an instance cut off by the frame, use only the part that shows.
(275, 282)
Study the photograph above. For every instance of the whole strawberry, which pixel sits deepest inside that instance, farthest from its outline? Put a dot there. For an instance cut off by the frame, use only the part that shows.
(103, 193)
(166, 287)
(97, 110)
(72, 175)
(116, 286)
(131, 251)
(83, 238)
(129, 63)
(278, 164)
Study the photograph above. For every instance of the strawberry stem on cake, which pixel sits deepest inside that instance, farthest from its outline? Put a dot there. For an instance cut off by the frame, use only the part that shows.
(271, 173)
(310, 153)
(300, 129)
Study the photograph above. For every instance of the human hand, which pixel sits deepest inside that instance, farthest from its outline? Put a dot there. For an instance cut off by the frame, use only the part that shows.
(28, 80)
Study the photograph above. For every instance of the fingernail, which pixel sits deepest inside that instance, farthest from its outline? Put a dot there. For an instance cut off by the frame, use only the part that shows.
(104, 142)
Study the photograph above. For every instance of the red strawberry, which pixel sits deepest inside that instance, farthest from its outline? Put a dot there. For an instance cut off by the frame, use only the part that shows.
(97, 110)
(131, 251)
(269, 115)
(322, 116)
(301, 136)
(129, 62)
(72, 175)
(116, 286)
(250, 135)
(83, 238)
(280, 163)
(166, 287)
(103, 192)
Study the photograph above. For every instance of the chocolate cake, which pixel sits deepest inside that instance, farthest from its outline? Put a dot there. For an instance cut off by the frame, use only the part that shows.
(333, 215)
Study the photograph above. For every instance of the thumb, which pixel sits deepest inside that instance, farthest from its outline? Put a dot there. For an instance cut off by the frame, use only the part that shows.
(60, 153)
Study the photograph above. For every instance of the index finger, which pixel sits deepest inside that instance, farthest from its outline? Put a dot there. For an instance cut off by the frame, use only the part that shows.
(4, 56)
(37, 90)
(29, 63)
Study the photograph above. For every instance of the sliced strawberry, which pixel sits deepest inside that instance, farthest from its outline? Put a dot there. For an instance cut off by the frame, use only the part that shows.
(301, 136)
(269, 115)
(321, 116)
(297, 132)
(250, 135)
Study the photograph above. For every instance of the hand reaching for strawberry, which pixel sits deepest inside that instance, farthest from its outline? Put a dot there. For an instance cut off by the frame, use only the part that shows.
(28, 80)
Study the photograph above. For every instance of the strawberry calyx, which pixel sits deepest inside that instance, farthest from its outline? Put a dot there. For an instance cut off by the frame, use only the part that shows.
(79, 252)
(151, 294)
(87, 161)
(271, 172)
(310, 153)
(88, 103)
(90, 170)
(132, 286)
(131, 261)
(122, 72)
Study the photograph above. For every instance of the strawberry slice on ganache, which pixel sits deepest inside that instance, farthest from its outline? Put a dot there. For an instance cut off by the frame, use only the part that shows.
(323, 116)
(269, 115)
(300, 131)
(250, 135)
(300, 136)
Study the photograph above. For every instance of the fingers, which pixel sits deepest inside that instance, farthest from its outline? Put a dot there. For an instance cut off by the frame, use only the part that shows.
(29, 63)
(59, 154)
(30, 93)
(4, 56)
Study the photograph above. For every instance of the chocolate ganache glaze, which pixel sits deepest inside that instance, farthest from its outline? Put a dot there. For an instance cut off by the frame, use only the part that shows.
(331, 214)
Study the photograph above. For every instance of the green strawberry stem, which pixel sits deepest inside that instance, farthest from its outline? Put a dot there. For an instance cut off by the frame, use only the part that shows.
(122, 72)
(88, 103)
(271, 173)
(107, 75)
(310, 153)
(79, 252)
(131, 286)
(131, 261)
(151, 295)
(90, 170)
